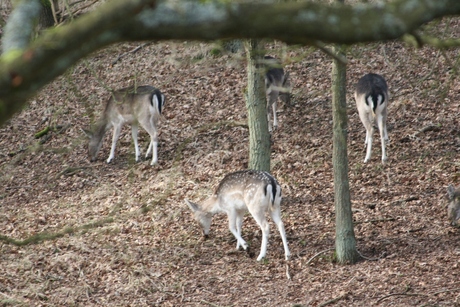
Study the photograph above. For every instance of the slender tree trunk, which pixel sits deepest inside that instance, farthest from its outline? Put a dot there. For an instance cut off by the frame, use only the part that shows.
(259, 137)
(345, 242)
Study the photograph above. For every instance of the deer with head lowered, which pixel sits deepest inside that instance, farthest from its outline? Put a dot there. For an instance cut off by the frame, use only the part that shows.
(255, 191)
(371, 97)
(277, 85)
(133, 105)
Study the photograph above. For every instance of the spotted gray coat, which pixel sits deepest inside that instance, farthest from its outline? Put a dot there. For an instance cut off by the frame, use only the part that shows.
(255, 191)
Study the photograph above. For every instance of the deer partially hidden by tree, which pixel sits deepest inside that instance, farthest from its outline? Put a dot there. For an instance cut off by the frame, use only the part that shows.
(255, 191)
(133, 105)
(371, 97)
(453, 206)
(277, 84)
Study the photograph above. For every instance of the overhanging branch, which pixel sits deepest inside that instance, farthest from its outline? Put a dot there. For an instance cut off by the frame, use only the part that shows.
(422, 40)
(296, 23)
(26, 71)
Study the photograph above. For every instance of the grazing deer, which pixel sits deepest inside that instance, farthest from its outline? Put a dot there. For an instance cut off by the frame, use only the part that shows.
(371, 97)
(254, 191)
(277, 85)
(453, 207)
(142, 105)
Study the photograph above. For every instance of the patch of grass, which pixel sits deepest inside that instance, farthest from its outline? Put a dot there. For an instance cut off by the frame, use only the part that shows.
(215, 52)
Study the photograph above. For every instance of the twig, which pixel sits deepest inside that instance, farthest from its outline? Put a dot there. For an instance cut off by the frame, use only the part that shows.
(400, 294)
(53, 11)
(288, 274)
(426, 129)
(19, 187)
(376, 221)
(317, 254)
(209, 303)
(416, 230)
(76, 12)
(444, 291)
(129, 52)
(334, 300)
(367, 258)
(408, 199)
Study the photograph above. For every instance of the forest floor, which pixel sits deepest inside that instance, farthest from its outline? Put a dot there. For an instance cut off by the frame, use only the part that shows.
(75, 233)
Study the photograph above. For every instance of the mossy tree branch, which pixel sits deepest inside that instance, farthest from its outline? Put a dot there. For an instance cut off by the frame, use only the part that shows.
(25, 70)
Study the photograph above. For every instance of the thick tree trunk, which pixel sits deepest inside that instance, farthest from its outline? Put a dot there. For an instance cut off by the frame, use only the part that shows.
(345, 242)
(259, 137)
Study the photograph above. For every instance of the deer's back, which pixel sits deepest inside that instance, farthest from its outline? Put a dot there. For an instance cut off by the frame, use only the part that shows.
(371, 84)
(130, 103)
(242, 183)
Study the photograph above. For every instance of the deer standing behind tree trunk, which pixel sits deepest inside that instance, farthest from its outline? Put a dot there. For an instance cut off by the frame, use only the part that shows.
(142, 105)
(277, 84)
(255, 191)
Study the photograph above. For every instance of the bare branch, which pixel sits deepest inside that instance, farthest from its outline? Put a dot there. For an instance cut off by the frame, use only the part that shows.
(290, 22)
(25, 71)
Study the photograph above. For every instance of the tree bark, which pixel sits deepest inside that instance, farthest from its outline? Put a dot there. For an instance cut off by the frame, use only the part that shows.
(345, 242)
(293, 22)
(256, 103)
(47, 14)
(21, 25)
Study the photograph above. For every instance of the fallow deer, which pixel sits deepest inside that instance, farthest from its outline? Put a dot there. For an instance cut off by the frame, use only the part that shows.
(255, 191)
(371, 97)
(142, 105)
(277, 84)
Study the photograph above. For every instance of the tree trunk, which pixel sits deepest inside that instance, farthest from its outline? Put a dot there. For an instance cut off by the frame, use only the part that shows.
(20, 27)
(259, 137)
(47, 14)
(345, 242)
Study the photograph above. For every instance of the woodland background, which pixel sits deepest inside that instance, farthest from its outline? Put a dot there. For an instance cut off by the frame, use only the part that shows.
(75, 233)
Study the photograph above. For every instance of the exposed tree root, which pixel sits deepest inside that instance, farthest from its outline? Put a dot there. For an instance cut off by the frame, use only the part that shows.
(375, 221)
